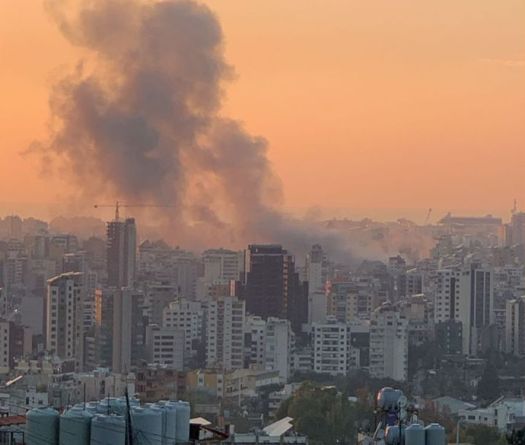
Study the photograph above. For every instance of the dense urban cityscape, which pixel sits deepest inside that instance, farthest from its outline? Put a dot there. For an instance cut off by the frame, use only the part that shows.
(262, 222)
(240, 333)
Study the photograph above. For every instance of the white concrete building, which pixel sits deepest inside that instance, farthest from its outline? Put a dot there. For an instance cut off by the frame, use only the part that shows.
(187, 316)
(388, 344)
(255, 329)
(225, 333)
(64, 317)
(222, 266)
(303, 360)
(476, 311)
(330, 344)
(500, 414)
(447, 303)
(466, 295)
(166, 346)
(279, 347)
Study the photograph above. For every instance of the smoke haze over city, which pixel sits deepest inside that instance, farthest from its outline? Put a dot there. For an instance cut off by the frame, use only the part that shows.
(238, 222)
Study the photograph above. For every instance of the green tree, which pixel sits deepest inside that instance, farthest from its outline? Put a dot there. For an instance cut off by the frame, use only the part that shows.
(481, 435)
(325, 415)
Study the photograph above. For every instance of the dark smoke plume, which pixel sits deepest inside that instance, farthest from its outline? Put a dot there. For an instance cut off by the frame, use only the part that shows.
(139, 120)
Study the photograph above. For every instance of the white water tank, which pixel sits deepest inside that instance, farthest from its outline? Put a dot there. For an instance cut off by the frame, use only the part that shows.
(147, 425)
(435, 434)
(108, 430)
(75, 426)
(42, 426)
(415, 434)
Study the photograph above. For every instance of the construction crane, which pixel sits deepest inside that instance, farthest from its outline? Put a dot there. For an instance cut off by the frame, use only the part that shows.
(118, 205)
(427, 219)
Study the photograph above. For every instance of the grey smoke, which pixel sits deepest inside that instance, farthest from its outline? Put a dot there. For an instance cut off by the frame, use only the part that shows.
(140, 120)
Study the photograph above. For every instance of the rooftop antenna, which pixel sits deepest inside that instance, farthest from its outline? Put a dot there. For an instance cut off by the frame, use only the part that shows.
(514, 207)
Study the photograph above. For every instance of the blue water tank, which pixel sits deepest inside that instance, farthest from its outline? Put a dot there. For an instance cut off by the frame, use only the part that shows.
(435, 434)
(392, 436)
(415, 434)
(42, 426)
(75, 426)
(387, 398)
(108, 430)
(182, 428)
(147, 425)
(92, 407)
(169, 422)
(119, 406)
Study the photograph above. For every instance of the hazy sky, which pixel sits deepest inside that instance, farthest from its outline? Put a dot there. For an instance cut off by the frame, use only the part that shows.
(366, 104)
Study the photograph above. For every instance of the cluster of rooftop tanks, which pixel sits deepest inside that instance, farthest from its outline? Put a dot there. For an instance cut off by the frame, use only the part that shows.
(399, 425)
(415, 434)
(104, 423)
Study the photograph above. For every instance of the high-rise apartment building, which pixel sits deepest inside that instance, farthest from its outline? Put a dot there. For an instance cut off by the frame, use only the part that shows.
(466, 295)
(255, 331)
(187, 316)
(330, 347)
(120, 328)
(340, 300)
(272, 286)
(64, 317)
(397, 286)
(165, 346)
(225, 333)
(121, 252)
(447, 296)
(279, 344)
(388, 344)
(222, 266)
(476, 307)
(316, 275)
(15, 342)
(515, 327)
(515, 231)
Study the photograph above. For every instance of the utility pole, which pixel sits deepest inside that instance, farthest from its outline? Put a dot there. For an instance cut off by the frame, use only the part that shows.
(129, 429)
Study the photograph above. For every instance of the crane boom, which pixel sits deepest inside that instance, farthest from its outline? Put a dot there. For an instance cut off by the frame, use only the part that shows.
(427, 219)
(118, 205)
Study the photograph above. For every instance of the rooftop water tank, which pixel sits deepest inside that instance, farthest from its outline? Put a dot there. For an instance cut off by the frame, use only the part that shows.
(387, 398)
(42, 426)
(75, 426)
(169, 422)
(392, 436)
(415, 434)
(119, 405)
(147, 425)
(92, 407)
(111, 405)
(182, 428)
(108, 430)
(435, 434)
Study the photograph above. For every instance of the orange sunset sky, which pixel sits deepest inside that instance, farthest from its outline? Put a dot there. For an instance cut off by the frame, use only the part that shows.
(382, 107)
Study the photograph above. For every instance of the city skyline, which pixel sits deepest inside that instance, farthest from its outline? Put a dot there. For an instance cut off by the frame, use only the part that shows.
(262, 222)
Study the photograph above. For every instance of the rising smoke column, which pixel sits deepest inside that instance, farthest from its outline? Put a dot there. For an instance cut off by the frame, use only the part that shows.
(139, 120)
